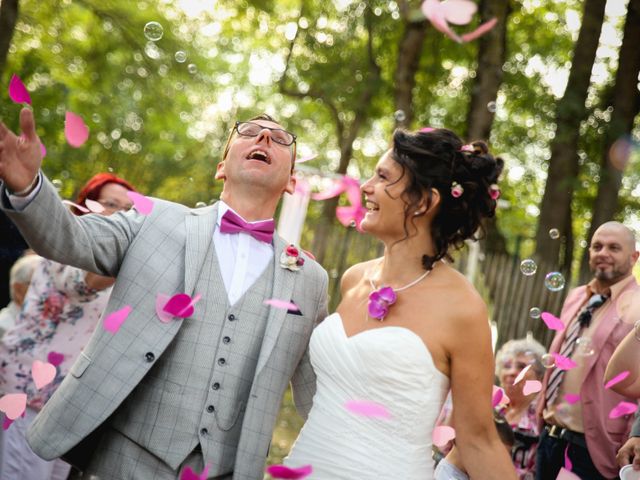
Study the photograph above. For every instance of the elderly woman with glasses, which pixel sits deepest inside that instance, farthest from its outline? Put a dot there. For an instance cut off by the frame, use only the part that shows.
(61, 308)
(512, 358)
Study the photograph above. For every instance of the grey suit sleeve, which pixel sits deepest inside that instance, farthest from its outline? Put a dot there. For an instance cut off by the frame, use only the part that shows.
(303, 383)
(635, 428)
(91, 242)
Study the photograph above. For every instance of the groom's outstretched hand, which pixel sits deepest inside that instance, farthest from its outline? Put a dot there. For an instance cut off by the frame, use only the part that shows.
(20, 156)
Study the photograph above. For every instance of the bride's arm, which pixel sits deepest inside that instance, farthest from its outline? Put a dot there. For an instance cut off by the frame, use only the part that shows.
(472, 365)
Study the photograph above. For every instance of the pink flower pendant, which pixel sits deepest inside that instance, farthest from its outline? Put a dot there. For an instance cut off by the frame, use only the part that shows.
(379, 302)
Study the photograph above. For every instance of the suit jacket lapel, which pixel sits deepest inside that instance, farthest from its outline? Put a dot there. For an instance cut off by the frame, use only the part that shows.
(283, 283)
(199, 228)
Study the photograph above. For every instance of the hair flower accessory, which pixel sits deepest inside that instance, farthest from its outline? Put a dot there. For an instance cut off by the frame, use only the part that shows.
(494, 191)
(291, 259)
(379, 302)
(456, 190)
(467, 148)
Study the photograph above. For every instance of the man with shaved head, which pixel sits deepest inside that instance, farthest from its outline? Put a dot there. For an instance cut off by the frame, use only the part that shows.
(574, 405)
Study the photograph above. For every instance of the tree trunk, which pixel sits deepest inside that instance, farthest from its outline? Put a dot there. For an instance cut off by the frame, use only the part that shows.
(8, 18)
(626, 105)
(491, 57)
(409, 53)
(563, 165)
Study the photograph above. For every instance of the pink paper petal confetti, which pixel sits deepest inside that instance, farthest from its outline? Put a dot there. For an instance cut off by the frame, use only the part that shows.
(13, 405)
(75, 205)
(552, 322)
(435, 13)
(481, 30)
(531, 386)
(499, 397)
(565, 474)
(92, 205)
(622, 409)
(307, 158)
(43, 373)
(114, 320)
(283, 304)
(564, 363)
(189, 474)
(617, 379)
(161, 301)
(43, 150)
(282, 471)
(367, 409)
(458, 12)
(6, 423)
(55, 358)
(75, 130)
(571, 398)
(521, 375)
(567, 461)
(141, 203)
(442, 435)
(17, 91)
(181, 305)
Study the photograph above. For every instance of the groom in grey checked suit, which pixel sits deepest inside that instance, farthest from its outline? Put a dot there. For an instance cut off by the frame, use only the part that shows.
(154, 397)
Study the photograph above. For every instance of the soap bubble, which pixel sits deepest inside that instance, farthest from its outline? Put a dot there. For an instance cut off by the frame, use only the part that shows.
(192, 68)
(528, 267)
(491, 106)
(153, 31)
(57, 183)
(584, 347)
(200, 204)
(554, 281)
(180, 56)
(554, 233)
(400, 116)
(535, 312)
(548, 360)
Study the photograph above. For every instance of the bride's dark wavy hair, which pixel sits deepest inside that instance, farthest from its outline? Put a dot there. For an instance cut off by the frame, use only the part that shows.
(435, 159)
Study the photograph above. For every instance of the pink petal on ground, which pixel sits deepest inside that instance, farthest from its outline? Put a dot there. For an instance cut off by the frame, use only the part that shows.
(17, 91)
(6, 423)
(307, 158)
(94, 206)
(563, 363)
(43, 150)
(181, 305)
(367, 409)
(481, 30)
(55, 358)
(114, 320)
(189, 474)
(617, 379)
(79, 207)
(531, 386)
(442, 435)
(571, 398)
(43, 373)
(143, 204)
(459, 12)
(623, 408)
(565, 474)
(13, 405)
(161, 301)
(283, 304)
(281, 471)
(75, 130)
(567, 461)
(551, 321)
(521, 375)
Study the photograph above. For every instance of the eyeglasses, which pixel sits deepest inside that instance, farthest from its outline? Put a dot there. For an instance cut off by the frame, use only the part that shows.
(114, 206)
(250, 129)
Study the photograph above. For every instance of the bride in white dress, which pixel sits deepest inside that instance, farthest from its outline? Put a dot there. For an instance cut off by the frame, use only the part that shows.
(384, 365)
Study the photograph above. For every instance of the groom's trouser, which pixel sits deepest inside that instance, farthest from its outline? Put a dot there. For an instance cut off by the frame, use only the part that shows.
(118, 458)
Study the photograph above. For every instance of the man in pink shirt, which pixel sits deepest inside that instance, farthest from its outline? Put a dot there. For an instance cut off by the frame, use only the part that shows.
(574, 406)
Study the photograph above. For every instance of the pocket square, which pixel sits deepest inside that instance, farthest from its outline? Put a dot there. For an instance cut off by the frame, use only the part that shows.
(294, 311)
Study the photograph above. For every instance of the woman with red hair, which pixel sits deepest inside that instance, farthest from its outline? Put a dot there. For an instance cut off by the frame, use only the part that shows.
(60, 311)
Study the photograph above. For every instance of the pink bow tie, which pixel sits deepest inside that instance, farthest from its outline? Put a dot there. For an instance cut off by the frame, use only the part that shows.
(262, 231)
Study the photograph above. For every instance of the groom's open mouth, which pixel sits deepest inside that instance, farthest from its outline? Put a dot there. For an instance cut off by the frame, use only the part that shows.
(259, 155)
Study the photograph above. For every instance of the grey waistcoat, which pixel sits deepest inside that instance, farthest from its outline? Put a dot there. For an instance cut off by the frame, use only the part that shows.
(197, 391)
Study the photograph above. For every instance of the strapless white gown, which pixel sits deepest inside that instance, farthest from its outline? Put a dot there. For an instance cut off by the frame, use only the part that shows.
(390, 366)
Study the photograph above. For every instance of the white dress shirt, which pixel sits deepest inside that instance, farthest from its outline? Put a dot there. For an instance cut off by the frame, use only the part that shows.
(242, 258)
